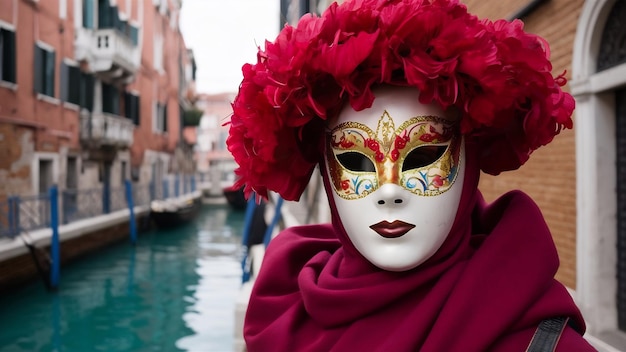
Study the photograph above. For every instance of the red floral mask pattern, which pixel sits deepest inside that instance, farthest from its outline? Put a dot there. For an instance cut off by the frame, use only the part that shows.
(422, 156)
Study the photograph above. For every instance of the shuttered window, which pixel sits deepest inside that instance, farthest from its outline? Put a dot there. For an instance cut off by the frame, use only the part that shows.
(7, 55)
(110, 99)
(70, 83)
(109, 17)
(131, 107)
(86, 89)
(44, 70)
(134, 34)
(165, 118)
(106, 17)
(88, 13)
(160, 118)
(76, 86)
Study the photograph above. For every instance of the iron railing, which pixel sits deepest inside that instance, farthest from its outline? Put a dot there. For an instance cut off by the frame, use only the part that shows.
(82, 204)
(8, 219)
(142, 194)
(27, 213)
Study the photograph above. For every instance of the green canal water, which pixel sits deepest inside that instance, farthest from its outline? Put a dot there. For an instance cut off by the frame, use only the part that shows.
(175, 290)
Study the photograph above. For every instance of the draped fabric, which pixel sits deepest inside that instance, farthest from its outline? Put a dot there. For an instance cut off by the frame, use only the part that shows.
(486, 289)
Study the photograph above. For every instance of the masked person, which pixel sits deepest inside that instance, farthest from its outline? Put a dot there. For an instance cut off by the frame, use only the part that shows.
(402, 103)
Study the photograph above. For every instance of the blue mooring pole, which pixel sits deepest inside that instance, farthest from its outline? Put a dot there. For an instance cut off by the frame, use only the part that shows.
(247, 222)
(131, 207)
(247, 227)
(55, 246)
(270, 228)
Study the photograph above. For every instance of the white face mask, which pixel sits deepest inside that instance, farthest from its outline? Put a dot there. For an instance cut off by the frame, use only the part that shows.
(396, 170)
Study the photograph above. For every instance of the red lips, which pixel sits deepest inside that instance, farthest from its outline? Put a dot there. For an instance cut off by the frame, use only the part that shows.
(392, 229)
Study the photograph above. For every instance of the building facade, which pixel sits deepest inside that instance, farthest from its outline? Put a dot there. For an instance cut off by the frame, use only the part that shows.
(92, 92)
(576, 179)
(212, 155)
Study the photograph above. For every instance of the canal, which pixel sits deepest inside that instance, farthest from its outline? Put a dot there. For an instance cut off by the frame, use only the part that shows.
(175, 290)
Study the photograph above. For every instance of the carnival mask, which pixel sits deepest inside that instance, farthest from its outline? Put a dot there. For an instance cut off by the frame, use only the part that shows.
(396, 170)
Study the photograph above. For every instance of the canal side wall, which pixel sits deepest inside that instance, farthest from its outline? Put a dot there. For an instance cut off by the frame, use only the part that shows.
(78, 239)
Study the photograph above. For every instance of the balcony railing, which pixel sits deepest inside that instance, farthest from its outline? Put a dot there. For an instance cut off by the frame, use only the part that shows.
(111, 47)
(108, 50)
(103, 129)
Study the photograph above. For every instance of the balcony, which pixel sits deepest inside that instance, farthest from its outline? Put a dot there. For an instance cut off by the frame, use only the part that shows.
(100, 129)
(109, 52)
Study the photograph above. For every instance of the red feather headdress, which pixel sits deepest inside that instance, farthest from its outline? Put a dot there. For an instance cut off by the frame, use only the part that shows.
(495, 74)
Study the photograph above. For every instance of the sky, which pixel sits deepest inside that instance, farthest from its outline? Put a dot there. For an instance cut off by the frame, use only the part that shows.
(224, 35)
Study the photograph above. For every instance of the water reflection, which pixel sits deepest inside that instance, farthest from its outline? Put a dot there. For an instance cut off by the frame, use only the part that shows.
(218, 286)
(174, 290)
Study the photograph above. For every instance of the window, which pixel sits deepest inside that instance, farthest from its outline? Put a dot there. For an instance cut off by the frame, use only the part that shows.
(76, 86)
(162, 4)
(160, 118)
(86, 89)
(70, 77)
(157, 53)
(63, 9)
(110, 99)
(109, 17)
(88, 13)
(44, 70)
(7, 55)
(107, 14)
(131, 107)
(223, 137)
(45, 176)
(134, 34)
(123, 172)
(71, 177)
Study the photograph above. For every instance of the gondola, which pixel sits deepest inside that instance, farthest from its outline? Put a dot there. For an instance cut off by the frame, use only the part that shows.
(174, 212)
(235, 197)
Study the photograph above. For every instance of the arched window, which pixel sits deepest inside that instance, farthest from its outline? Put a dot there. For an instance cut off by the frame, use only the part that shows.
(613, 43)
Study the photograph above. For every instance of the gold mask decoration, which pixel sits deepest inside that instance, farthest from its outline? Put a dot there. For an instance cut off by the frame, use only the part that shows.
(422, 156)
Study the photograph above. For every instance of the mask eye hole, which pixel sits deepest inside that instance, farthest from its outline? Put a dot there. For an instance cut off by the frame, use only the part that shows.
(356, 162)
(422, 156)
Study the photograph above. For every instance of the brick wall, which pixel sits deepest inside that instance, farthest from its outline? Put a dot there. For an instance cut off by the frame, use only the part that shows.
(30, 123)
(16, 153)
(549, 177)
(155, 85)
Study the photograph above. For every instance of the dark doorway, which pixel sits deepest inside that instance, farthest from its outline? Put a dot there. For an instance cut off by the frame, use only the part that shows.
(45, 176)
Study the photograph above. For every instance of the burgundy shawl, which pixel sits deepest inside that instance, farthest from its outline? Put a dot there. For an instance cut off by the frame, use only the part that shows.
(486, 289)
